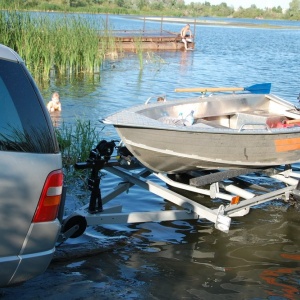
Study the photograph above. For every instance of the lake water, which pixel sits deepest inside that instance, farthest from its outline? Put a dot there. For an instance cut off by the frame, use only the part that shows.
(260, 256)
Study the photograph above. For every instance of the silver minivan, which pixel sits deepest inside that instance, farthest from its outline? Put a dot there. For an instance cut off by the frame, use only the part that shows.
(31, 177)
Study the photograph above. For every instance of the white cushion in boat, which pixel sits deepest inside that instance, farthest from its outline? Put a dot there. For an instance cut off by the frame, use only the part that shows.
(202, 125)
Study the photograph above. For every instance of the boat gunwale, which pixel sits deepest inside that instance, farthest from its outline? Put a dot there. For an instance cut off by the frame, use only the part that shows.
(133, 118)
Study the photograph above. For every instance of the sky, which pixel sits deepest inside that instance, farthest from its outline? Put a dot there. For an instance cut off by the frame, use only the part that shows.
(247, 3)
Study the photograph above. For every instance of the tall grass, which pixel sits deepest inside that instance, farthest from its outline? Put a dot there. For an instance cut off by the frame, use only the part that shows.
(108, 45)
(76, 141)
(67, 44)
(138, 43)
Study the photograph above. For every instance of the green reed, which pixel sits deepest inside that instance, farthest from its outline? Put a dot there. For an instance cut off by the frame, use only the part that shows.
(76, 141)
(65, 44)
(138, 43)
(107, 41)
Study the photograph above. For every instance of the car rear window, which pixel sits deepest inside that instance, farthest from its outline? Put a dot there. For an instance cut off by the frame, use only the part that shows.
(23, 124)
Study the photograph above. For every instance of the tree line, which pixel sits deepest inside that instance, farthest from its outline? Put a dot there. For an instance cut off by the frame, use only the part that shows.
(176, 8)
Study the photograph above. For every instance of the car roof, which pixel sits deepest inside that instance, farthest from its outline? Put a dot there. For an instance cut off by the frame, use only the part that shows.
(9, 54)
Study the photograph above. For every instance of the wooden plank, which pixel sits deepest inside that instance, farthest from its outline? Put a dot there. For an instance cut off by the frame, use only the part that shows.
(152, 46)
(147, 40)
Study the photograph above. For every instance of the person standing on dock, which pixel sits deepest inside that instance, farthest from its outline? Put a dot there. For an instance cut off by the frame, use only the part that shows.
(186, 34)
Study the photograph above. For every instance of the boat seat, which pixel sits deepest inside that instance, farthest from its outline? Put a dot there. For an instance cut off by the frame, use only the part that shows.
(253, 120)
(202, 125)
(207, 124)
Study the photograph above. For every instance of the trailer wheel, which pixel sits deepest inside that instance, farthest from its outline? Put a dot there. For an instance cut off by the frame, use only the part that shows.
(75, 222)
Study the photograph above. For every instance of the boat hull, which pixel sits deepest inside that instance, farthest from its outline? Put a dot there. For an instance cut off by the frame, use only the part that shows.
(228, 132)
(209, 150)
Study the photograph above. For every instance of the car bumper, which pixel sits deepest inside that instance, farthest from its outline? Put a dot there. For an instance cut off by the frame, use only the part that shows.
(35, 257)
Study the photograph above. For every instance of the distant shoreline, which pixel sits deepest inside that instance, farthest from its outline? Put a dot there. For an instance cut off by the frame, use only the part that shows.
(215, 23)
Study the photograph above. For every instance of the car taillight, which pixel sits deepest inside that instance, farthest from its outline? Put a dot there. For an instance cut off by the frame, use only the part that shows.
(49, 202)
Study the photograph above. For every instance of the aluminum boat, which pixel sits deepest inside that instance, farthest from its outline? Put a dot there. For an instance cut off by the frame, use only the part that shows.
(220, 131)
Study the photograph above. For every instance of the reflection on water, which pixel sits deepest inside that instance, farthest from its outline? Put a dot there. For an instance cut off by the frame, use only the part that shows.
(188, 260)
(260, 257)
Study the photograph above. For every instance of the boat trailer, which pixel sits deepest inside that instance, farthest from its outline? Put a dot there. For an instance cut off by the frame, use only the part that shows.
(214, 184)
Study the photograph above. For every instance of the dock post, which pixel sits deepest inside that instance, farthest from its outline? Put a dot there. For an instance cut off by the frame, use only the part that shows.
(194, 29)
(106, 23)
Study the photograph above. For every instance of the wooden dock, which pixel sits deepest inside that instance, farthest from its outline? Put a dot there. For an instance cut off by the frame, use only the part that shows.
(133, 40)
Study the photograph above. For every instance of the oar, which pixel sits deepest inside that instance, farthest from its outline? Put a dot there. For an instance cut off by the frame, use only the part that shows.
(261, 88)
